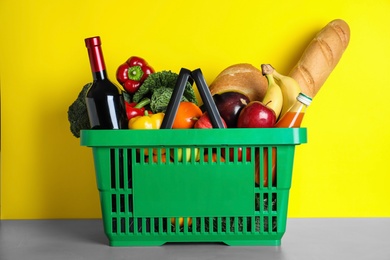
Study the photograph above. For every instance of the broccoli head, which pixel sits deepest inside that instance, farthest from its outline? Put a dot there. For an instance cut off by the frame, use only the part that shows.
(78, 114)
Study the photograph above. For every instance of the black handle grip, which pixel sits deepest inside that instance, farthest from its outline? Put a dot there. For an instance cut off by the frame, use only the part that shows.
(204, 91)
(174, 102)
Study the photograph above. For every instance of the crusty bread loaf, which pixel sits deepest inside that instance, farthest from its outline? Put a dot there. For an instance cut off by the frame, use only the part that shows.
(321, 57)
(243, 78)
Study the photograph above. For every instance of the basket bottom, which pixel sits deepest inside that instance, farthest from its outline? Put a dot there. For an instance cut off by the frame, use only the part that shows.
(276, 242)
(262, 242)
(237, 231)
(122, 243)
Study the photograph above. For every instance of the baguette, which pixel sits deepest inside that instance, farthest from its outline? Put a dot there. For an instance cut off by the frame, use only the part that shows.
(321, 57)
(243, 78)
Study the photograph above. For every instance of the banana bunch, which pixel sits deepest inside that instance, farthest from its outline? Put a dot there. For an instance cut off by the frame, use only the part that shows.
(282, 91)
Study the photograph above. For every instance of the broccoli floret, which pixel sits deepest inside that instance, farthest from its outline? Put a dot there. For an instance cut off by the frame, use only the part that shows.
(78, 114)
(158, 87)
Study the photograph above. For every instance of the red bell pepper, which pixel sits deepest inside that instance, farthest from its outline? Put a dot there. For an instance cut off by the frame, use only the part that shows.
(136, 109)
(132, 73)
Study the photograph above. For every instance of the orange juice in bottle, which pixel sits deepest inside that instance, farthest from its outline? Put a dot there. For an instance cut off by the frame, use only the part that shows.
(293, 117)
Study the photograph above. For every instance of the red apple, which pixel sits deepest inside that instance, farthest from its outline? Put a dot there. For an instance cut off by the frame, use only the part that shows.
(204, 121)
(256, 115)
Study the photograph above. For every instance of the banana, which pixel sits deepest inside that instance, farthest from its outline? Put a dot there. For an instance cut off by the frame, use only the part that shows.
(273, 97)
(290, 90)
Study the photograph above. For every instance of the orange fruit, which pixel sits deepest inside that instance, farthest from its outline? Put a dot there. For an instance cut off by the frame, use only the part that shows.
(187, 115)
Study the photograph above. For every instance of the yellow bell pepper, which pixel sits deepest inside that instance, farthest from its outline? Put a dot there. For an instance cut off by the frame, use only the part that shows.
(147, 121)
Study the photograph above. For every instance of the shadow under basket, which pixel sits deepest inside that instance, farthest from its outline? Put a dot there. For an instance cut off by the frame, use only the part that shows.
(194, 185)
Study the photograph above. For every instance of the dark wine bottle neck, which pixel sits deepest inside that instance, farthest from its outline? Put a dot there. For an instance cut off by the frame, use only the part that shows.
(99, 75)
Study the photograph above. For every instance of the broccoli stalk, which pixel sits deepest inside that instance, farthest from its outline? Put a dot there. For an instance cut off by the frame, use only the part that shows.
(78, 114)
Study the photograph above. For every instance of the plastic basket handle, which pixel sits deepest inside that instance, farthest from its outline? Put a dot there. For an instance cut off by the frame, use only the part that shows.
(205, 94)
(185, 76)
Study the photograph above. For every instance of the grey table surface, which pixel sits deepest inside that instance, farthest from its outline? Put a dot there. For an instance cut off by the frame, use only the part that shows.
(305, 238)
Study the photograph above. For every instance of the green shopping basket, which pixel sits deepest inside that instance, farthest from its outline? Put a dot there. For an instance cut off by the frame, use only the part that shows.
(160, 186)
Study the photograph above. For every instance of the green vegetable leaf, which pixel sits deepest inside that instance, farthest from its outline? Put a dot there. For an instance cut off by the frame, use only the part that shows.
(159, 87)
(160, 99)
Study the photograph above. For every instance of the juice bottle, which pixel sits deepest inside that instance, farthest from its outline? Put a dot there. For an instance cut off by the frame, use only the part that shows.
(293, 117)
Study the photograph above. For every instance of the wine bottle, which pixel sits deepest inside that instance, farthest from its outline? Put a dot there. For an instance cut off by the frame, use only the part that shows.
(105, 104)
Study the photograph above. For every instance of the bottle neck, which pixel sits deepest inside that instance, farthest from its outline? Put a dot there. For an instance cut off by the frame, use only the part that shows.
(298, 107)
(96, 59)
(99, 75)
(293, 117)
(303, 101)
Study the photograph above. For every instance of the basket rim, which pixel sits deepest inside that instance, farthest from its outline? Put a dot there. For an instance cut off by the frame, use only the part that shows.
(193, 137)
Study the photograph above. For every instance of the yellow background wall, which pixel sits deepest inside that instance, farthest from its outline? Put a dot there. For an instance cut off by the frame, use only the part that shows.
(342, 172)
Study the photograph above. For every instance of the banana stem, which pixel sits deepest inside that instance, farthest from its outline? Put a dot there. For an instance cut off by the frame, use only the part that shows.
(267, 69)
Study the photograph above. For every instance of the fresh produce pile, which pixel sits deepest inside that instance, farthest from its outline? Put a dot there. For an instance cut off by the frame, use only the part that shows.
(246, 96)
